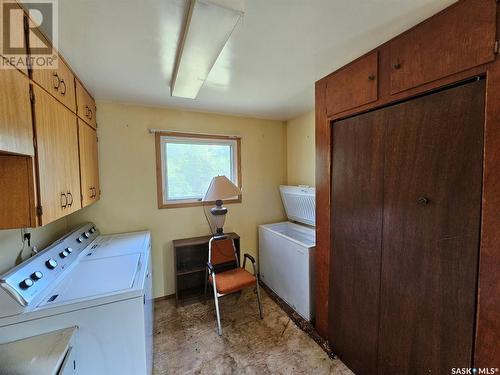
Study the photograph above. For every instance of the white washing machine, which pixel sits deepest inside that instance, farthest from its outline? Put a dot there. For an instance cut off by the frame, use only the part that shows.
(286, 251)
(99, 284)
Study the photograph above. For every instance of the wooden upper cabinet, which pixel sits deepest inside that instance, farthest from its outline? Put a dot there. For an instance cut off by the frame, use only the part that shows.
(16, 130)
(57, 79)
(86, 108)
(39, 133)
(89, 170)
(59, 82)
(353, 85)
(57, 152)
(458, 39)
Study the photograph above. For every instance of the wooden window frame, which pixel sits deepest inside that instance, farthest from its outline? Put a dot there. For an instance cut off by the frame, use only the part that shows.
(160, 176)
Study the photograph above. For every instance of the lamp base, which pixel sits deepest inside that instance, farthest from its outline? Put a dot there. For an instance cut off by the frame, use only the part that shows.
(218, 218)
(219, 234)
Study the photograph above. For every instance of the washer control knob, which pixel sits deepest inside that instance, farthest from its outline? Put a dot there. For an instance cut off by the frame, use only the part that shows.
(51, 264)
(86, 234)
(92, 230)
(26, 283)
(79, 239)
(35, 276)
(69, 250)
(63, 254)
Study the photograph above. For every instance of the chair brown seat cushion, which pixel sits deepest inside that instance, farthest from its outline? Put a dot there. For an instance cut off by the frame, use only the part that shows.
(233, 280)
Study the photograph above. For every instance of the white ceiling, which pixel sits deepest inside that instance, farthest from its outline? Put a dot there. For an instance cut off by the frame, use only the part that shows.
(124, 50)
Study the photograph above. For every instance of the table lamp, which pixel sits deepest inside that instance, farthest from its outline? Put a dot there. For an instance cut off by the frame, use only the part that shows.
(220, 188)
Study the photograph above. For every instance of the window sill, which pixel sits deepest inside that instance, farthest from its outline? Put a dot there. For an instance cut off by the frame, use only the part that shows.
(178, 204)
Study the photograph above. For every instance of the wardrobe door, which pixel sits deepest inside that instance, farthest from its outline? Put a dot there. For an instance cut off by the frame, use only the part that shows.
(357, 192)
(432, 201)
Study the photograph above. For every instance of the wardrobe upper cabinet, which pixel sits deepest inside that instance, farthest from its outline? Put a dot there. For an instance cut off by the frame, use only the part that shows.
(89, 171)
(57, 152)
(354, 85)
(85, 105)
(60, 83)
(16, 131)
(459, 39)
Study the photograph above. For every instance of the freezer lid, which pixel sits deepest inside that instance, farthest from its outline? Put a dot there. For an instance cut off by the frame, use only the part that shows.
(299, 203)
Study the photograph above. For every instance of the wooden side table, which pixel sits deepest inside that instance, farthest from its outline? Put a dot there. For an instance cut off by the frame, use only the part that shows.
(190, 262)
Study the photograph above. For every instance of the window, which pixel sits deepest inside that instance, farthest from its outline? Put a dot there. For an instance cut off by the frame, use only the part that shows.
(186, 163)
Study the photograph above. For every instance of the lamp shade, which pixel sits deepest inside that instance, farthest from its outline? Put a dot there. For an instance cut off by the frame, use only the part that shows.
(221, 188)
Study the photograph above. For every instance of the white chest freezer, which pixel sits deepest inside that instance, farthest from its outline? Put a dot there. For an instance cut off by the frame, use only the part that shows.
(286, 251)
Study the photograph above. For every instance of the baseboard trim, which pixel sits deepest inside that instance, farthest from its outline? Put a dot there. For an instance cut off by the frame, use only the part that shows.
(299, 321)
(164, 298)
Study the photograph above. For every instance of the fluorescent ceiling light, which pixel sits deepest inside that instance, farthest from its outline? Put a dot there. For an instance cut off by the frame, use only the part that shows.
(208, 28)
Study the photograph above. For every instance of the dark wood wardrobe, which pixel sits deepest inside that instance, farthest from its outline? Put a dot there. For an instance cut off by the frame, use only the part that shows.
(406, 194)
(408, 199)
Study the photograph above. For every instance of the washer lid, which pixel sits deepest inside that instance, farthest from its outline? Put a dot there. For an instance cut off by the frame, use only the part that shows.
(299, 203)
(96, 277)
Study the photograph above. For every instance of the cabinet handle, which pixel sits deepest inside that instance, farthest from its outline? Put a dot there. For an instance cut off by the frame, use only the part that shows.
(71, 196)
(64, 84)
(91, 114)
(371, 77)
(423, 201)
(63, 205)
(397, 66)
(91, 192)
(87, 111)
(57, 81)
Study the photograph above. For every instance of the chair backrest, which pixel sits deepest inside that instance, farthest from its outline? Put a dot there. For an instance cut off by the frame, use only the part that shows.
(221, 251)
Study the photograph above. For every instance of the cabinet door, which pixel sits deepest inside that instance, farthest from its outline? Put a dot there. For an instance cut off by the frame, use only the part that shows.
(89, 169)
(59, 82)
(353, 86)
(17, 194)
(432, 206)
(461, 38)
(16, 129)
(357, 192)
(57, 154)
(71, 162)
(86, 108)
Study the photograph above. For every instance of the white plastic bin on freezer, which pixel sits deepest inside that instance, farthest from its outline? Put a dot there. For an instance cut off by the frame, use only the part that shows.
(286, 251)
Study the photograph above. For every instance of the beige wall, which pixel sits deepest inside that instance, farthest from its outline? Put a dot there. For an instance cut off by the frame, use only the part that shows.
(11, 242)
(273, 153)
(301, 150)
(128, 179)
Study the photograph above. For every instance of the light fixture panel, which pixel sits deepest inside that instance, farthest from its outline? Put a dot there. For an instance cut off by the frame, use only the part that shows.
(208, 28)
